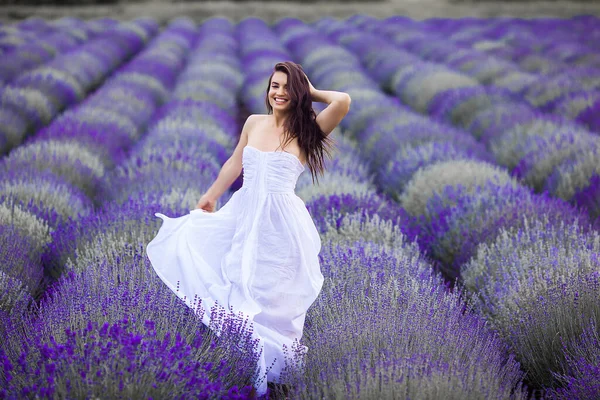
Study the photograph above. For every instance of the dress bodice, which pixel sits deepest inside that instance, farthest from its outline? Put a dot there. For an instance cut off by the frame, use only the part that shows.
(275, 171)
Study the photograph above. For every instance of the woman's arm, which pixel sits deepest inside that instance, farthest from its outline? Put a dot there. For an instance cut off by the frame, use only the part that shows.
(338, 107)
(231, 169)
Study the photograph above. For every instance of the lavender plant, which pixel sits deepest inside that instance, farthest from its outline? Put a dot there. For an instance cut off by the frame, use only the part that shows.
(29, 103)
(573, 175)
(515, 81)
(369, 338)
(549, 153)
(538, 285)
(21, 267)
(45, 195)
(516, 143)
(118, 360)
(459, 106)
(469, 174)
(398, 172)
(59, 158)
(116, 234)
(457, 220)
(588, 198)
(13, 126)
(418, 84)
(589, 117)
(27, 224)
(329, 211)
(583, 368)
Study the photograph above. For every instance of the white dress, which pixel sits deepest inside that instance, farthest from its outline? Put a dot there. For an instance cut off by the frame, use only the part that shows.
(257, 254)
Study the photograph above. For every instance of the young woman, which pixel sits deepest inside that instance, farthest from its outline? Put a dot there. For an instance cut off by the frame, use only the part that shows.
(258, 254)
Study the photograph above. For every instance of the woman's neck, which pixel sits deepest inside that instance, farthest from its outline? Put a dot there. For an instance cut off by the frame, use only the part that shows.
(279, 119)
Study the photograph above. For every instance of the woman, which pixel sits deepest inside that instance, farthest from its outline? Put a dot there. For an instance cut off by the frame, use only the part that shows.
(258, 254)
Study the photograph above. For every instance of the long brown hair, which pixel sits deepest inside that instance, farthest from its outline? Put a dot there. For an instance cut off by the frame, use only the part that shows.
(301, 122)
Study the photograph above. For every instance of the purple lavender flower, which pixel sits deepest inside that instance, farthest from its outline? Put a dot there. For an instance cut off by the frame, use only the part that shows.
(544, 154)
(332, 209)
(58, 158)
(119, 358)
(582, 377)
(492, 122)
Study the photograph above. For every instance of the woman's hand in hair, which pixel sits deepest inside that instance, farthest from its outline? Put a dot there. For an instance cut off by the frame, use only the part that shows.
(312, 88)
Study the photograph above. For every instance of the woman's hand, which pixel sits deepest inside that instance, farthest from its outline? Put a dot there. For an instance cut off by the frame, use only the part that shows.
(312, 88)
(206, 203)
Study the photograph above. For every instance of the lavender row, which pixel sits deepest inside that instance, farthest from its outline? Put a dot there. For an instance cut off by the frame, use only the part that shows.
(563, 89)
(43, 186)
(112, 287)
(22, 33)
(548, 48)
(371, 274)
(562, 55)
(445, 241)
(50, 191)
(571, 41)
(462, 206)
(37, 96)
(47, 45)
(571, 91)
(541, 152)
(122, 108)
(457, 220)
(19, 185)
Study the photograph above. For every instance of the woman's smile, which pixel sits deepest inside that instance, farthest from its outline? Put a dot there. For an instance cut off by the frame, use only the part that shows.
(280, 100)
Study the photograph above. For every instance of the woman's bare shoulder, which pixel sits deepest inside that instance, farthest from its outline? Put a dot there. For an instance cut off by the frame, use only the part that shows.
(257, 117)
(254, 122)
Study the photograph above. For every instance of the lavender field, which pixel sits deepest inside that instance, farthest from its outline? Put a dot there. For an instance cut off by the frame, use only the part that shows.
(460, 215)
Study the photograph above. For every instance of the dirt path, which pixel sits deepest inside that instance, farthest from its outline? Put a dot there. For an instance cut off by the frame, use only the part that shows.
(271, 11)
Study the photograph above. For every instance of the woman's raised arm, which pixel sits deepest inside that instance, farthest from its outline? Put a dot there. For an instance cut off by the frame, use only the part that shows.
(338, 107)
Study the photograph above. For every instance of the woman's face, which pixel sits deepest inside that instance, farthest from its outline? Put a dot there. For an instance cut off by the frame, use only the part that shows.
(278, 94)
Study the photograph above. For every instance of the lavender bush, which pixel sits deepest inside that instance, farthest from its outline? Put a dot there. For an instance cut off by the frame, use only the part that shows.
(45, 195)
(538, 285)
(59, 158)
(468, 174)
(574, 175)
(583, 366)
(142, 363)
(395, 176)
(369, 338)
